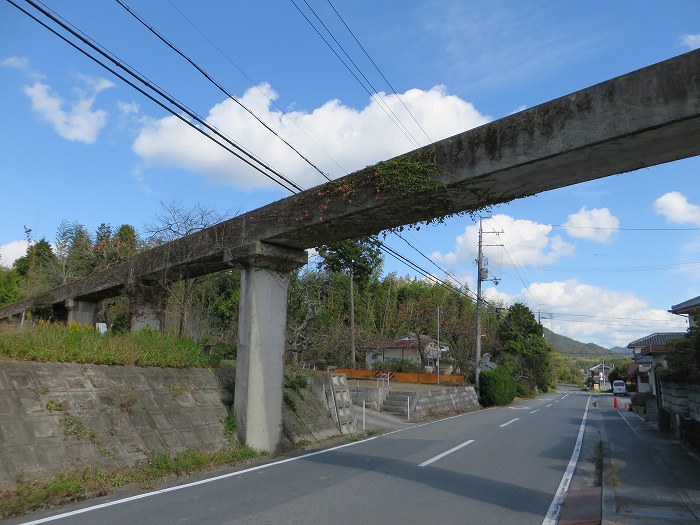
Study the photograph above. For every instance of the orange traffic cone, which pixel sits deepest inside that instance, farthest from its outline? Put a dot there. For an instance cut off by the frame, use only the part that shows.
(615, 405)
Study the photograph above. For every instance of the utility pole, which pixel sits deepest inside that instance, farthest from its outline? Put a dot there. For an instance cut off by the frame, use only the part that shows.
(481, 275)
(352, 321)
(477, 351)
(438, 346)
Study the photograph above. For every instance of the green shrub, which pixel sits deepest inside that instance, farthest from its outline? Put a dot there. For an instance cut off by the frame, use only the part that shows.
(523, 390)
(496, 387)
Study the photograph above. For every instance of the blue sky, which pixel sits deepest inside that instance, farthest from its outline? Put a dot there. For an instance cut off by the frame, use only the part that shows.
(80, 145)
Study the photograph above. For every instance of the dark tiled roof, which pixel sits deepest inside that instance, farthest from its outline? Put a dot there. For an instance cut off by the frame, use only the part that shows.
(408, 341)
(686, 306)
(659, 338)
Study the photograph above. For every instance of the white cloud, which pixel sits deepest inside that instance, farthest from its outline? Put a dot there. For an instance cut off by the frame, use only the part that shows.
(691, 41)
(15, 62)
(674, 206)
(353, 138)
(80, 121)
(12, 251)
(528, 243)
(128, 108)
(610, 317)
(21, 64)
(596, 225)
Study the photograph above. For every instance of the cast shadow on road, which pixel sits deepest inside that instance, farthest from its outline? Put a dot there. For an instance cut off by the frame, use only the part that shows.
(515, 497)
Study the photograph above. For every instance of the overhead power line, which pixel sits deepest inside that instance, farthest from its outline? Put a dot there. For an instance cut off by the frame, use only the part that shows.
(624, 229)
(235, 149)
(375, 96)
(379, 70)
(216, 83)
(256, 86)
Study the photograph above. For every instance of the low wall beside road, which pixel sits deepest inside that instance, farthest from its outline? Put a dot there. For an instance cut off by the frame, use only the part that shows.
(55, 416)
(680, 411)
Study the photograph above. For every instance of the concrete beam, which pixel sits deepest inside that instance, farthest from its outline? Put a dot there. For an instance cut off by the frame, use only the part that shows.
(262, 330)
(644, 118)
(82, 312)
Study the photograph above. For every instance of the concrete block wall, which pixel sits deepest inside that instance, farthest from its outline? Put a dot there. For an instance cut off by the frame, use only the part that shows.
(674, 398)
(54, 416)
(432, 402)
(373, 397)
(694, 401)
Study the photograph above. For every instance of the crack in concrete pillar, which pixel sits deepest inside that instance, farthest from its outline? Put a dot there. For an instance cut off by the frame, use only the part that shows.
(262, 327)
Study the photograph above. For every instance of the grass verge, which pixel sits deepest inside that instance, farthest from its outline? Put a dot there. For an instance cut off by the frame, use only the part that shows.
(89, 482)
(76, 343)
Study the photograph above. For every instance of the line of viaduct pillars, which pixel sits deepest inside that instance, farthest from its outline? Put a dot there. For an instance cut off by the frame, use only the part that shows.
(261, 342)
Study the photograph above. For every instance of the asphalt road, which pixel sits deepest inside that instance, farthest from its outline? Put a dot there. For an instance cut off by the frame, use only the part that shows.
(495, 466)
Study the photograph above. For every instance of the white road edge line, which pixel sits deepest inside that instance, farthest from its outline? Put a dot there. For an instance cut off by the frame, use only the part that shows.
(439, 456)
(509, 422)
(555, 506)
(231, 474)
(189, 485)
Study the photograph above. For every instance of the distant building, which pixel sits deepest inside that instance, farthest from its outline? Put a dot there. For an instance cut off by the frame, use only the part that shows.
(600, 373)
(419, 349)
(648, 352)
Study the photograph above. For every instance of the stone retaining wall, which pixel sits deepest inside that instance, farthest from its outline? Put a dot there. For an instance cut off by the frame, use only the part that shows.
(56, 416)
(674, 397)
(53, 416)
(433, 402)
(680, 411)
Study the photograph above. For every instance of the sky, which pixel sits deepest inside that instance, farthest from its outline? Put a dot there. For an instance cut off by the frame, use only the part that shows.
(601, 261)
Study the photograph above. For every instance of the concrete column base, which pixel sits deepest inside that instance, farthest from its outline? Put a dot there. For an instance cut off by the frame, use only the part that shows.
(82, 312)
(147, 307)
(262, 324)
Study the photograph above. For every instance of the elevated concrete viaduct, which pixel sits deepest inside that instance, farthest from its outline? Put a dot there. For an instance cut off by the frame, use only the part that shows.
(644, 118)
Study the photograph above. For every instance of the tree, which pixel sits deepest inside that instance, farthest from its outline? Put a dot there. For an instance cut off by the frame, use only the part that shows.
(10, 286)
(523, 349)
(684, 360)
(173, 222)
(359, 258)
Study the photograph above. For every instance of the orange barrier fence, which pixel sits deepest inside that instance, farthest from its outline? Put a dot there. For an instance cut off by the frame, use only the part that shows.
(430, 379)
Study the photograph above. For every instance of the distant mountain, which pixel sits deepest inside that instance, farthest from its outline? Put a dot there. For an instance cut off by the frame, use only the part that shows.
(626, 352)
(571, 347)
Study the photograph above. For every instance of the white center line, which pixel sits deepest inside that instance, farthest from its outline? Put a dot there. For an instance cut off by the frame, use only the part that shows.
(439, 456)
(548, 405)
(509, 422)
(536, 410)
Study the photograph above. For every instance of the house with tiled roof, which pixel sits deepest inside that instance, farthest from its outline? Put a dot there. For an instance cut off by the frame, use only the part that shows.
(688, 308)
(599, 375)
(420, 349)
(648, 352)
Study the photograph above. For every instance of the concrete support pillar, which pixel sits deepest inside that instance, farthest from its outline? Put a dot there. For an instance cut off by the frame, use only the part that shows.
(262, 324)
(147, 307)
(82, 312)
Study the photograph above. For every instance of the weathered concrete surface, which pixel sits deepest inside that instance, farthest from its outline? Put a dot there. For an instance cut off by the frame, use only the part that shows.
(262, 328)
(313, 419)
(54, 416)
(641, 119)
(423, 403)
(115, 415)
